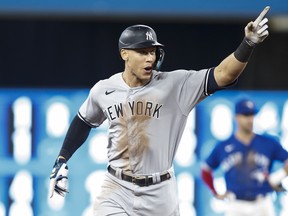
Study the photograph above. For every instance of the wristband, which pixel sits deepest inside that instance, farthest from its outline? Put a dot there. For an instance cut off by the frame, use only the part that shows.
(244, 51)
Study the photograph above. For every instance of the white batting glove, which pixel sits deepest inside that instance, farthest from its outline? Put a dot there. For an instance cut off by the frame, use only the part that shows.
(58, 178)
(257, 31)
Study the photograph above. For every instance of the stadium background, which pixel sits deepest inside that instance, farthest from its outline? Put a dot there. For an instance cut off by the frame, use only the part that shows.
(51, 53)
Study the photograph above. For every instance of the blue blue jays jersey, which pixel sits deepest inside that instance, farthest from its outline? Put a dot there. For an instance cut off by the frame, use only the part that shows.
(245, 166)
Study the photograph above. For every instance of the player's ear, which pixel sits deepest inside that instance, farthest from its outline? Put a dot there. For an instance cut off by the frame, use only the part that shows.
(124, 54)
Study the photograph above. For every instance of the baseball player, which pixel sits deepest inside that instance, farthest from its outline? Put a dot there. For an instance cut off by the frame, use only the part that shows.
(147, 110)
(246, 159)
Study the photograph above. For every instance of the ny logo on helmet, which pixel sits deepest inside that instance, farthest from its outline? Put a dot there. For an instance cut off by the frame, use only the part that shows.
(149, 36)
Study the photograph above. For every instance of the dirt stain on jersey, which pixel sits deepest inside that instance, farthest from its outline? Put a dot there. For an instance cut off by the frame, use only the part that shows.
(137, 134)
(134, 138)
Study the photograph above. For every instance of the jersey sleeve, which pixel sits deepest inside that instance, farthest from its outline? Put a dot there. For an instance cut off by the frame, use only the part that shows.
(90, 111)
(213, 160)
(280, 153)
(191, 88)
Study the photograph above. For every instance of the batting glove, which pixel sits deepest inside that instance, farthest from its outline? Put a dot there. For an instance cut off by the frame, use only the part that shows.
(257, 31)
(58, 178)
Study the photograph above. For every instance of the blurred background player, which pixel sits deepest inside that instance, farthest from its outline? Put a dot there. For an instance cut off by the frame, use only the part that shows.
(246, 159)
(147, 112)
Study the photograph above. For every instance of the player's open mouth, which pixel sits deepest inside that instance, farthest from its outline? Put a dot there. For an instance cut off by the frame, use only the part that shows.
(148, 69)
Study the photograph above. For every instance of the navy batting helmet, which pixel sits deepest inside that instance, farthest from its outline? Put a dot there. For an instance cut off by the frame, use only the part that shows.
(141, 36)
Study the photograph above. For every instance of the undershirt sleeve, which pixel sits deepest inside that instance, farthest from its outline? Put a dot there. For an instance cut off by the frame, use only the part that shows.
(208, 179)
(212, 85)
(76, 135)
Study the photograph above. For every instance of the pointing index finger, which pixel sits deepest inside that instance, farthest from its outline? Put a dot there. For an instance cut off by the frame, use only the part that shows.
(261, 16)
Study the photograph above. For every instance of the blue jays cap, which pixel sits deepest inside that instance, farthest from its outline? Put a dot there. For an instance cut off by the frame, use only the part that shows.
(245, 107)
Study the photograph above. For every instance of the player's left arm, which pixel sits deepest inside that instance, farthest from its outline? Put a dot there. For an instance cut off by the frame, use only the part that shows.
(233, 65)
(275, 178)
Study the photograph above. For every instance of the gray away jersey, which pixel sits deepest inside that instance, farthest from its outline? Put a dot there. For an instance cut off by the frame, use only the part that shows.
(145, 123)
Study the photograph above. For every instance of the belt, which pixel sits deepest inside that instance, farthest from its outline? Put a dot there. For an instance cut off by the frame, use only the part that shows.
(250, 198)
(247, 198)
(141, 180)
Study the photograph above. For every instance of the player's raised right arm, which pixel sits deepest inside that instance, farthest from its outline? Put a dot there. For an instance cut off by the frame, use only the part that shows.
(233, 65)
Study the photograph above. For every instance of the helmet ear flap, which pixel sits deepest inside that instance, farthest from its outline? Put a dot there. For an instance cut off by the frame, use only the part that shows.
(159, 58)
